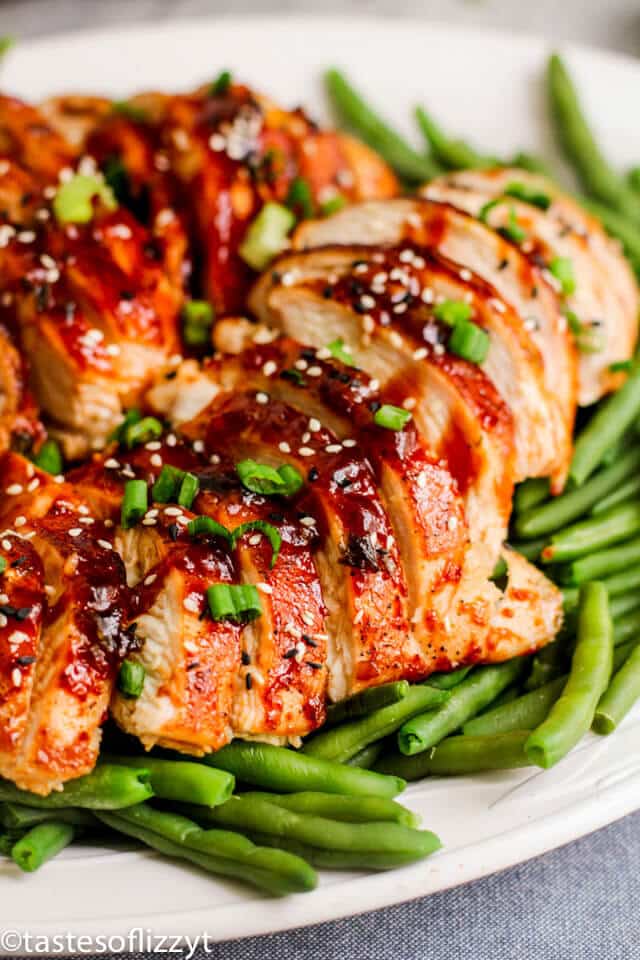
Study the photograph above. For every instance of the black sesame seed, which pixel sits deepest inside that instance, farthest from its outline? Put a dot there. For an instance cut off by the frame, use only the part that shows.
(313, 665)
(194, 665)
(246, 659)
(327, 292)
(313, 474)
(374, 406)
(290, 653)
(248, 681)
(173, 531)
(25, 661)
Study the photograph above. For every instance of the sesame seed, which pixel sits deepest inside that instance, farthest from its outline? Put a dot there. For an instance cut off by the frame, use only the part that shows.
(314, 425)
(465, 274)
(87, 520)
(150, 579)
(396, 339)
(349, 442)
(452, 523)
(368, 323)
(314, 371)
(6, 544)
(75, 531)
(438, 349)
(262, 398)
(323, 353)
(358, 617)
(307, 618)
(420, 353)
(153, 445)
(198, 446)
(3, 621)
(111, 464)
(427, 295)
(19, 521)
(14, 489)
(301, 364)
(192, 604)
(284, 447)
(104, 544)
(16, 677)
(214, 459)
(400, 308)
(269, 368)
(333, 448)
(172, 512)
(155, 460)
(409, 403)
(26, 236)
(149, 522)
(307, 521)
(217, 142)
(306, 451)
(171, 440)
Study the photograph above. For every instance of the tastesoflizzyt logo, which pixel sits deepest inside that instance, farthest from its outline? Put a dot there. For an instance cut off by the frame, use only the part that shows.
(137, 940)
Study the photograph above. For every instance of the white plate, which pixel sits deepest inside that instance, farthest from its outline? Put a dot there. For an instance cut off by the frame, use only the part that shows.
(488, 87)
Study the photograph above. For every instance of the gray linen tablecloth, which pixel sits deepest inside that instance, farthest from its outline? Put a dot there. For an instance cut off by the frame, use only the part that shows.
(581, 902)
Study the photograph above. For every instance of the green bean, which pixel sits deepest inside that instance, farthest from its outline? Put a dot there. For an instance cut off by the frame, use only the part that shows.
(532, 163)
(621, 653)
(633, 178)
(183, 779)
(465, 700)
(216, 851)
(594, 534)
(620, 695)
(530, 493)
(530, 549)
(616, 450)
(289, 771)
(393, 840)
(511, 693)
(367, 757)
(344, 859)
(333, 806)
(572, 714)
(346, 741)
(612, 418)
(625, 492)
(581, 148)
(42, 843)
(108, 787)
(366, 701)
(619, 226)
(570, 506)
(621, 583)
(7, 843)
(356, 114)
(524, 713)
(548, 663)
(452, 154)
(603, 562)
(623, 603)
(15, 816)
(445, 681)
(626, 627)
(457, 756)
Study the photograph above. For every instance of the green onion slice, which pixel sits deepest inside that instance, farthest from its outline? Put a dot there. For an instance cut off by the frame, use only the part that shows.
(267, 235)
(131, 416)
(588, 339)
(134, 503)
(512, 231)
(562, 269)
(452, 312)
(528, 194)
(130, 111)
(221, 84)
(390, 417)
(3, 564)
(197, 320)
(300, 199)
(261, 478)
(621, 366)
(131, 679)
(166, 487)
(341, 352)
(188, 490)
(239, 603)
(469, 342)
(333, 205)
(270, 532)
(49, 458)
(208, 527)
(134, 434)
(73, 202)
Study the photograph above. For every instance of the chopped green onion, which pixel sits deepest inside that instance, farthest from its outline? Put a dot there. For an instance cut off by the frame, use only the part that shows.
(267, 235)
(390, 417)
(575, 324)
(469, 342)
(167, 485)
(3, 564)
(239, 603)
(149, 428)
(221, 84)
(261, 478)
(5, 44)
(117, 178)
(300, 199)
(500, 575)
(341, 352)
(528, 194)
(188, 490)
(73, 202)
(452, 312)
(588, 339)
(207, 526)
(333, 205)
(621, 366)
(291, 478)
(197, 320)
(270, 532)
(512, 231)
(134, 503)
(294, 376)
(131, 416)
(49, 458)
(131, 679)
(562, 269)
(130, 111)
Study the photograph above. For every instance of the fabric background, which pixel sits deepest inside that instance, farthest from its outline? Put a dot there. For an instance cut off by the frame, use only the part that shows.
(581, 902)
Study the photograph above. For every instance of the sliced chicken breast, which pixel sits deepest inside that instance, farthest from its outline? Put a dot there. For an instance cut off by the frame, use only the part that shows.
(604, 298)
(417, 224)
(20, 428)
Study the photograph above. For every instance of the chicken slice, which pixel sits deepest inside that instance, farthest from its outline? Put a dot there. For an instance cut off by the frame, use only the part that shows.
(605, 298)
(324, 295)
(75, 628)
(363, 584)
(27, 138)
(232, 152)
(20, 428)
(418, 224)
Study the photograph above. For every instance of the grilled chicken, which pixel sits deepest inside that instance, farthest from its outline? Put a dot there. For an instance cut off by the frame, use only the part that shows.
(601, 294)
(519, 283)
(235, 150)
(20, 428)
(62, 637)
